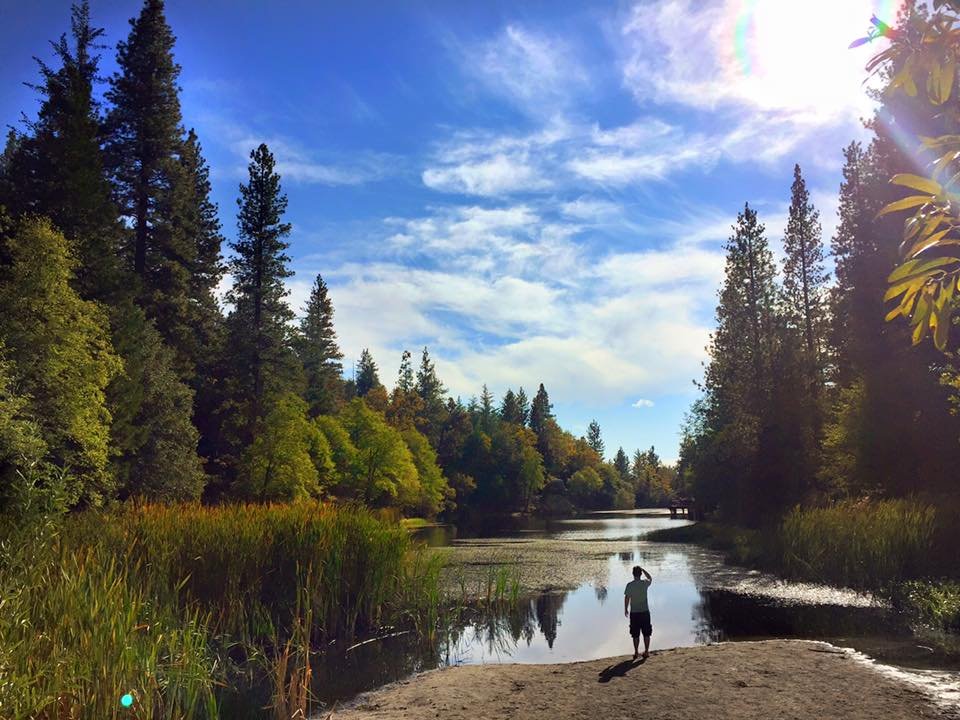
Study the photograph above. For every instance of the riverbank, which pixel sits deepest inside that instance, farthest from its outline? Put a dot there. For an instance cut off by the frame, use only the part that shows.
(776, 678)
(901, 550)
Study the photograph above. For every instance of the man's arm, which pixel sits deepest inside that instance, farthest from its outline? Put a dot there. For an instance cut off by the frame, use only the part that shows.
(626, 605)
(649, 578)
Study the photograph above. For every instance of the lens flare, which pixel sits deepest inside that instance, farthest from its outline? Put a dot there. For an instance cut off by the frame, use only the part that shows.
(126, 700)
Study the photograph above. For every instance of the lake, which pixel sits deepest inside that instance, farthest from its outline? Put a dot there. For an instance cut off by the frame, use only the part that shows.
(574, 572)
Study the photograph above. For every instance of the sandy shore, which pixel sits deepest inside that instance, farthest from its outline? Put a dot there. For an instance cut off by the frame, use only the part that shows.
(771, 679)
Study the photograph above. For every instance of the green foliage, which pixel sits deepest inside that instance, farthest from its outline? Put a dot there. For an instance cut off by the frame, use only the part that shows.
(584, 487)
(920, 73)
(319, 353)
(61, 356)
(368, 376)
(260, 356)
(21, 444)
(154, 442)
(593, 437)
(433, 488)
(56, 169)
(290, 458)
(385, 470)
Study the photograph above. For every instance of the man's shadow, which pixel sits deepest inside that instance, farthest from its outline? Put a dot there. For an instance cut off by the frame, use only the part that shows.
(619, 670)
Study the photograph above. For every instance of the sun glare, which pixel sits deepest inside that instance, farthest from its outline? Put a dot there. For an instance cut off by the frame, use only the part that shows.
(796, 56)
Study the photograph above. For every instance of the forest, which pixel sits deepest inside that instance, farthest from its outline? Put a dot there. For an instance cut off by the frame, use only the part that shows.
(125, 378)
(197, 501)
(816, 389)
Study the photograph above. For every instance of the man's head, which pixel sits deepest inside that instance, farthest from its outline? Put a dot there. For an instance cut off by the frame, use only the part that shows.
(637, 571)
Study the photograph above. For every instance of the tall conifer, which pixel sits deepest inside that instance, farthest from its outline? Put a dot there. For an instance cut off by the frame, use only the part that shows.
(319, 353)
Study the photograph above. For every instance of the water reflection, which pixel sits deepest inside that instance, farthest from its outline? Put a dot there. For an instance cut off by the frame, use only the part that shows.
(695, 599)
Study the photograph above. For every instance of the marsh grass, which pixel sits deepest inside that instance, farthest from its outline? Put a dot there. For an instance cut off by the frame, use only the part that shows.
(169, 602)
(864, 545)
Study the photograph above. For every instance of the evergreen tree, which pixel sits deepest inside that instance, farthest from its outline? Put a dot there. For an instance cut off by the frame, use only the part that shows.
(622, 463)
(320, 353)
(367, 375)
(540, 411)
(405, 402)
(804, 279)
(523, 407)
(57, 170)
(433, 410)
(162, 185)
(738, 378)
(593, 437)
(510, 408)
(261, 358)
(154, 443)
(487, 413)
(59, 348)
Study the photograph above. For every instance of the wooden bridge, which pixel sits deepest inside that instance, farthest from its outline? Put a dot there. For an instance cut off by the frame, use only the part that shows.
(683, 508)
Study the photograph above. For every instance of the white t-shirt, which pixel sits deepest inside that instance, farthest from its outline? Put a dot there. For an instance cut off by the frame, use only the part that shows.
(636, 590)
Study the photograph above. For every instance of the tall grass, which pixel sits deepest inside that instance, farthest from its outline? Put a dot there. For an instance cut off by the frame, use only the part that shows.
(156, 600)
(251, 566)
(78, 629)
(866, 545)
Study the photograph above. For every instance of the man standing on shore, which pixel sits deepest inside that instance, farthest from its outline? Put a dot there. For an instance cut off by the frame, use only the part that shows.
(636, 608)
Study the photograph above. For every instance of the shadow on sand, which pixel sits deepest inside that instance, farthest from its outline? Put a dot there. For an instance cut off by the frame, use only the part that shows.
(619, 670)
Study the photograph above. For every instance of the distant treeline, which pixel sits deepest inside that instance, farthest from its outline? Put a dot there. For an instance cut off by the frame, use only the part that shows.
(810, 395)
(122, 377)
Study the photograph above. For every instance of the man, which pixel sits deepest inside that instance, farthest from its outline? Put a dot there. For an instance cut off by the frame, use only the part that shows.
(636, 608)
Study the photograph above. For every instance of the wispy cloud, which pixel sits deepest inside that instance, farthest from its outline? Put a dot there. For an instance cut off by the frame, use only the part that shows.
(537, 72)
(643, 403)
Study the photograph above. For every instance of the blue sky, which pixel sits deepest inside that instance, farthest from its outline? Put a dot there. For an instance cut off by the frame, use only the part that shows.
(538, 191)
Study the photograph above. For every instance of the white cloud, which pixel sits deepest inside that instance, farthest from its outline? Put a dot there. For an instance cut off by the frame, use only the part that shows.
(537, 72)
(643, 403)
(496, 175)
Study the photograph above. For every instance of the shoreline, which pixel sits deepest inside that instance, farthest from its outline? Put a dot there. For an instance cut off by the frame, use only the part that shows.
(761, 679)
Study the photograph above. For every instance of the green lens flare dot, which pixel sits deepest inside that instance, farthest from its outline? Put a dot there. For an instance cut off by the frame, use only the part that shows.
(127, 700)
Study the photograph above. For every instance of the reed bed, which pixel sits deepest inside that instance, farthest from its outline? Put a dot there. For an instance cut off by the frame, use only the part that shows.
(868, 545)
(168, 603)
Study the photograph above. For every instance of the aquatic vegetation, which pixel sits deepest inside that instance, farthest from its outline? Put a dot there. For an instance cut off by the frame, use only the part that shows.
(169, 603)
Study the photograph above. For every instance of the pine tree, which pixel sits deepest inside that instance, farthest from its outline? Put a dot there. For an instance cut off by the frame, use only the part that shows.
(367, 375)
(804, 278)
(523, 406)
(162, 185)
(540, 411)
(320, 353)
(487, 413)
(154, 443)
(510, 408)
(433, 411)
(57, 169)
(405, 402)
(593, 437)
(622, 463)
(259, 345)
(59, 347)
(738, 379)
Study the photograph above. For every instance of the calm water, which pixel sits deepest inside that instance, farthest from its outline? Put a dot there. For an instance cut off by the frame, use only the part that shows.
(695, 599)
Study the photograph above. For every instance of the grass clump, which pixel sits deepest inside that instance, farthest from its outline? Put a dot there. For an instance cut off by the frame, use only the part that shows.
(864, 545)
(172, 603)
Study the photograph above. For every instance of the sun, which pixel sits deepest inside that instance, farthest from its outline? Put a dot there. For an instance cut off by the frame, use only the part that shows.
(795, 56)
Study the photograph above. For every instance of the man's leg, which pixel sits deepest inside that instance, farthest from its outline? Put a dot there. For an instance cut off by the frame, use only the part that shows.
(636, 646)
(646, 645)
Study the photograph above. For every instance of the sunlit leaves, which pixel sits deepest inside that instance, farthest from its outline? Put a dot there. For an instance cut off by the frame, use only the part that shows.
(925, 284)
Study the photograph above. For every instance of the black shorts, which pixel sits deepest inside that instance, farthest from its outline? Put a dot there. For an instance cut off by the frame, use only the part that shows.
(640, 624)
